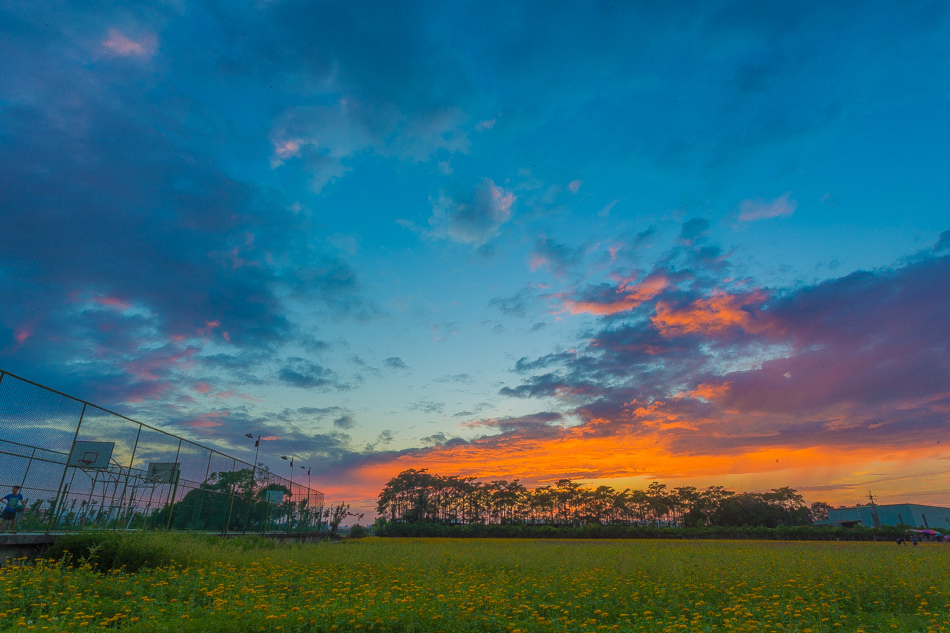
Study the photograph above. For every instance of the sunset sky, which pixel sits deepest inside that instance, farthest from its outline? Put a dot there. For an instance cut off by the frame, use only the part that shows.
(700, 243)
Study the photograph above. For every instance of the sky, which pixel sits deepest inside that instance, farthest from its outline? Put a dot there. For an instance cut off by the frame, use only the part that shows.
(688, 242)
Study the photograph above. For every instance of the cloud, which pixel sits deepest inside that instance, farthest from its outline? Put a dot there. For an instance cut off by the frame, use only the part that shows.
(553, 256)
(943, 242)
(694, 229)
(394, 362)
(461, 379)
(606, 209)
(436, 439)
(471, 218)
(119, 45)
(516, 305)
(427, 406)
(624, 295)
(848, 362)
(750, 210)
(345, 422)
(534, 425)
(304, 374)
(712, 315)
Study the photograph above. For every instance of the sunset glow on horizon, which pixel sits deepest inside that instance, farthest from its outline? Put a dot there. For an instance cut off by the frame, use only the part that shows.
(700, 245)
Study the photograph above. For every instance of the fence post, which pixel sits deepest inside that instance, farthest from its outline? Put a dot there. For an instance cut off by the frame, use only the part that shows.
(250, 495)
(196, 515)
(227, 521)
(125, 486)
(62, 480)
(27, 471)
(177, 473)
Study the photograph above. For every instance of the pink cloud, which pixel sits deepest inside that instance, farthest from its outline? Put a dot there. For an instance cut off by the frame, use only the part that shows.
(287, 149)
(207, 420)
(209, 327)
(538, 261)
(227, 395)
(758, 209)
(113, 302)
(154, 367)
(119, 44)
(606, 210)
(574, 186)
(23, 334)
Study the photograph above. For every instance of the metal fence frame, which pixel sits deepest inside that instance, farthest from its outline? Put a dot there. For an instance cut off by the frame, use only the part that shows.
(233, 496)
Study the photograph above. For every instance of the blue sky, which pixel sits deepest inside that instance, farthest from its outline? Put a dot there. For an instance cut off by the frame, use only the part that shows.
(457, 236)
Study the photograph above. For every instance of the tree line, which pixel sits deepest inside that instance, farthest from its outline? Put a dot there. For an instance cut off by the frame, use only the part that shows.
(420, 496)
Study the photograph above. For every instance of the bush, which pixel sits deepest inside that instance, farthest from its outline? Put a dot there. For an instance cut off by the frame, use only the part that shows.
(358, 531)
(105, 551)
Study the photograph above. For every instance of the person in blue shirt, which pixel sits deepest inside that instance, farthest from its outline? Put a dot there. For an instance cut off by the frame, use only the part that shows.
(13, 505)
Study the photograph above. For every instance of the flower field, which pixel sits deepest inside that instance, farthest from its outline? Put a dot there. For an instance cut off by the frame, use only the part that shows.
(495, 585)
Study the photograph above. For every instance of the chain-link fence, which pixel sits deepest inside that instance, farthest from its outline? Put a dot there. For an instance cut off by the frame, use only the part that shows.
(80, 466)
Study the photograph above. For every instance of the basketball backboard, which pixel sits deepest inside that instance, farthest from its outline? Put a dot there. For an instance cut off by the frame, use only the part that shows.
(91, 454)
(162, 472)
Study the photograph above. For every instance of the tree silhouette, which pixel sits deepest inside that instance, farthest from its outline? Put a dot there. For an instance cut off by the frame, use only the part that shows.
(420, 496)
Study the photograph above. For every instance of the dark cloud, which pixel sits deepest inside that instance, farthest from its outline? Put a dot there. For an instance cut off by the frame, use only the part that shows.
(694, 229)
(345, 422)
(536, 425)
(394, 362)
(305, 374)
(559, 258)
(427, 407)
(516, 305)
(461, 379)
(943, 243)
(436, 439)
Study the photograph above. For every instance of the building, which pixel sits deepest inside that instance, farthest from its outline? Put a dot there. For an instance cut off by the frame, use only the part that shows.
(909, 514)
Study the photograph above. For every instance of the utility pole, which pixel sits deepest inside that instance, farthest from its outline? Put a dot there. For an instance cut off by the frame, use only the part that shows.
(874, 517)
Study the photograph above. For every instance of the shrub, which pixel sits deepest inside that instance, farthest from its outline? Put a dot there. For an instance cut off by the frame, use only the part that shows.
(358, 531)
(105, 551)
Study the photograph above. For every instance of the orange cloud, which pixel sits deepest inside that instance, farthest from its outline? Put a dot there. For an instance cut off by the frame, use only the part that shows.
(627, 296)
(707, 391)
(714, 315)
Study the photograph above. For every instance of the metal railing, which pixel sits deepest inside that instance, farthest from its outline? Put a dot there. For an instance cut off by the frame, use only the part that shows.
(80, 466)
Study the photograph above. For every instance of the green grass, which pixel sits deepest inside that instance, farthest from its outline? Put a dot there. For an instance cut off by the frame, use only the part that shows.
(493, 585)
